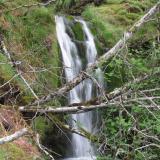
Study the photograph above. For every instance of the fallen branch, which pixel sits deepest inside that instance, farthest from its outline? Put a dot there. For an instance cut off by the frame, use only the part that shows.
(113, 98)
(119, 45)
(119, 91)
(75, 109)
(14, 136)
(64, 109)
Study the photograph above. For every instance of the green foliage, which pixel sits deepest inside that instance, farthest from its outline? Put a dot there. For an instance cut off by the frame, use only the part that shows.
(106, 31)
(36, 27)
(114, 1)
(32, 39)
(12, 152)
(2, 154)
(40, 125)
(2, 2)
(114, 17)
(6, 69)
(138, 62)
(7, 72)
(104, 158)
(115, 74)
(121, 136)
(120, 121)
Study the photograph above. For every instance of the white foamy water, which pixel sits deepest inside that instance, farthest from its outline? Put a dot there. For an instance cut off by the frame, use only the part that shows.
(81, 158)
(82, 148)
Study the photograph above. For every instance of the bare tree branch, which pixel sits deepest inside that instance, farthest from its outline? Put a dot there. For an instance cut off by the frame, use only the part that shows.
(113, 98)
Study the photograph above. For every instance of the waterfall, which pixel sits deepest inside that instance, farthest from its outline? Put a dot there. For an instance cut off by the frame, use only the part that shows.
(82, 148)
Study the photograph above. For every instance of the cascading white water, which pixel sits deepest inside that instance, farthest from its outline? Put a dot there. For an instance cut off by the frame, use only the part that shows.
(82, 148)
(71, 60)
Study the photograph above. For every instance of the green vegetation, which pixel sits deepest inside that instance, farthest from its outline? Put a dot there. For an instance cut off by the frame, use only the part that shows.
(127, 128)
(114, 17)
(30, 37)
(140, 57)
(13, 152)
(6, 70)
(29, 34)
(78, 32)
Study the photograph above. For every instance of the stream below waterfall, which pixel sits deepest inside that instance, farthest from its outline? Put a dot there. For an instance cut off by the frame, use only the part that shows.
(74, 61)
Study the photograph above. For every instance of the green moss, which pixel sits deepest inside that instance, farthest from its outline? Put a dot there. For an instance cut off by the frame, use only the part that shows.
(115, 1)
(65, 4)
(13, 152)
(42, 34)
(42, 15)
(114, 17)
(146, 33)
(78, 31)
(106, 31)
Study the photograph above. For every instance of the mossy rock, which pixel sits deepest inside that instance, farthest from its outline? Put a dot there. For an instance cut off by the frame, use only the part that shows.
(78, 31)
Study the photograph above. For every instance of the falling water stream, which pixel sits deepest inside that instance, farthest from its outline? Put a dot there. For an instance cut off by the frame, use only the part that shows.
(81, 147)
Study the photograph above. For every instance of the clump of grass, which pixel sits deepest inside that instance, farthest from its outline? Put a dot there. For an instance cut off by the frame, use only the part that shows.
(114, 17)
(6, 70)
(30, 35)
(12, 151)
(106, 31)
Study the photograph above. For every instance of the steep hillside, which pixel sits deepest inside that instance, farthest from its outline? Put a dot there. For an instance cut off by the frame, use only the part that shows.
(27, 30)
(114, 17)
(29, 36)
